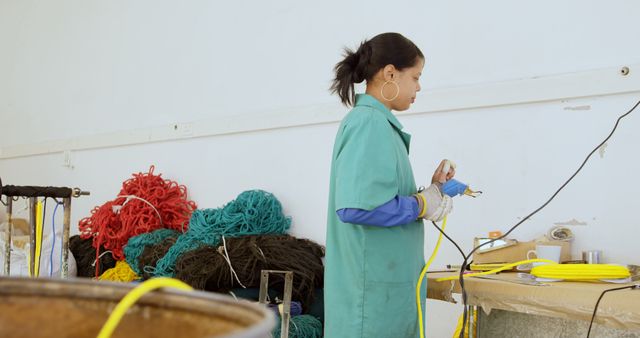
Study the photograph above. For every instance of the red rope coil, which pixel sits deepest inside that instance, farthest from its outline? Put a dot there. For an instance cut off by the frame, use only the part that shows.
(112, 224)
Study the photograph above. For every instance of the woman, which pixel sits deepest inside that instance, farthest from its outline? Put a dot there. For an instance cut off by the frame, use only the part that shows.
(375, 232)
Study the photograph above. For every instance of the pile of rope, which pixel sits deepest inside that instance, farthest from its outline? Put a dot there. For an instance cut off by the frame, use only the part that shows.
(152, 253)
(237, 262)
(84, 254)
(145, 203)
(138, 244)
(120, 273)
(253, 212)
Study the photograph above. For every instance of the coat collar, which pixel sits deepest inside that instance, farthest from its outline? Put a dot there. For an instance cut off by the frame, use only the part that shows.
(365, 100)
(370, 101)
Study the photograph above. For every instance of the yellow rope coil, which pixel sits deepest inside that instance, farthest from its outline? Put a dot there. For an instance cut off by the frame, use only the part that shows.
(581, 272)
(122, 272)
(133, 296)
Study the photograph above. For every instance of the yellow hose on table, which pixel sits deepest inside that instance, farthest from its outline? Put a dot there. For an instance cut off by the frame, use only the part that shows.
(502, 268)
(423, 273)
(133, 296)
(581, 272)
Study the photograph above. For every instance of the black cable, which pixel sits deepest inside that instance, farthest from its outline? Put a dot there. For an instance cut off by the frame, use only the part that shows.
(600, 298)
(449, 238)
(464, 264)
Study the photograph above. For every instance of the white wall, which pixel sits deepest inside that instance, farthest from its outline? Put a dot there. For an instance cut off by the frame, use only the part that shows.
(73, 69)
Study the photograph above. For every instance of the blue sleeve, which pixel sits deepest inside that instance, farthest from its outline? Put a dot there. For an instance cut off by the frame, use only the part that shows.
(400, 210)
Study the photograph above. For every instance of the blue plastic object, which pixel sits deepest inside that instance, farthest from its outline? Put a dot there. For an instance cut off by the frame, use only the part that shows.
(454, 187)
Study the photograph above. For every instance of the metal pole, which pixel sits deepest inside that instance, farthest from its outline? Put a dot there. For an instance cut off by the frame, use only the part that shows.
(32, 236)
(264, 284)
(288, 286)
(286, 314)
(65, 238)
(7, 244)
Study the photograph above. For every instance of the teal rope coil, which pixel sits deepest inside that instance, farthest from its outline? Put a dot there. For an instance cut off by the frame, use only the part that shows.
(303, 326)
(136, 245)
(253, 212)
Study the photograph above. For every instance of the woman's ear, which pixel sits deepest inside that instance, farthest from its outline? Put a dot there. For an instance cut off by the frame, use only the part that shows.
(389, 73)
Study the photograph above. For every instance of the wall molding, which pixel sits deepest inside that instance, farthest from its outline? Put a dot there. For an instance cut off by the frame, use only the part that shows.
(599, 82)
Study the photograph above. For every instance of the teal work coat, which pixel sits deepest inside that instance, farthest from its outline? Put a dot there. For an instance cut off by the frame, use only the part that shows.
(371, 272)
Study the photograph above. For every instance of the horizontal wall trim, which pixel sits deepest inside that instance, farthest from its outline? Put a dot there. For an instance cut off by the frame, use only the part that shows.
(607, 81)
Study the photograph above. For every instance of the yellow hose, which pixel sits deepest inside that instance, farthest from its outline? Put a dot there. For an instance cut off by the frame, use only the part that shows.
(423, 273)
(581, 272)
(502, 268)
(133, 296)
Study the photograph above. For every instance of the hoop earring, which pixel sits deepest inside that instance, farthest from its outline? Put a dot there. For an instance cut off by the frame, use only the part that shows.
(397, 90)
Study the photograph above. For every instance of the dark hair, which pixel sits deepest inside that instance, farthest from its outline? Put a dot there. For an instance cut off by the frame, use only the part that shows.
(372, 55)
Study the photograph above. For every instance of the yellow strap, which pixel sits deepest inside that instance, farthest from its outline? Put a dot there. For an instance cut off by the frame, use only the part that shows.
(38, 248)
(133, 296)
(424, 272)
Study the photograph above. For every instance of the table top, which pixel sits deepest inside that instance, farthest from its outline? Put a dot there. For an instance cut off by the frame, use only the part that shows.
(569, 300)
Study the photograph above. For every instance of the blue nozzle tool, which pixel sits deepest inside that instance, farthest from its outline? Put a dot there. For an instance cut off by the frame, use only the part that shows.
(454, 187)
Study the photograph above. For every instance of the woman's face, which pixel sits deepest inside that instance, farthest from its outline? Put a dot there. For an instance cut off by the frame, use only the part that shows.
(408, 81)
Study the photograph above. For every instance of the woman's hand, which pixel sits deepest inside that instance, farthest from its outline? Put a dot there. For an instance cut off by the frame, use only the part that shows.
(440, 176)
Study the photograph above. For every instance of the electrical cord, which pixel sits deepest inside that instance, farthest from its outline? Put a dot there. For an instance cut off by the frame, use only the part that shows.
(449, 238)
(132, 297)
(595, 309)
(464, 264)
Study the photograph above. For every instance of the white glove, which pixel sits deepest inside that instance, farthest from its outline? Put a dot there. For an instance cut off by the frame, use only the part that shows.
(437, 204)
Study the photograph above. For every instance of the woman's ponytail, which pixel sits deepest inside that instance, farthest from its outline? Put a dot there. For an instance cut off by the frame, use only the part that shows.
(351, 70)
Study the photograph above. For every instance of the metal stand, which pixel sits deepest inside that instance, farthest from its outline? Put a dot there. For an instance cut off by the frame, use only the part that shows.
(7, 240)
(33, 193)
(288, 286)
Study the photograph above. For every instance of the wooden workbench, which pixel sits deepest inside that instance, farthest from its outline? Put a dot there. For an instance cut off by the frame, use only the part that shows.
(568, 301)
